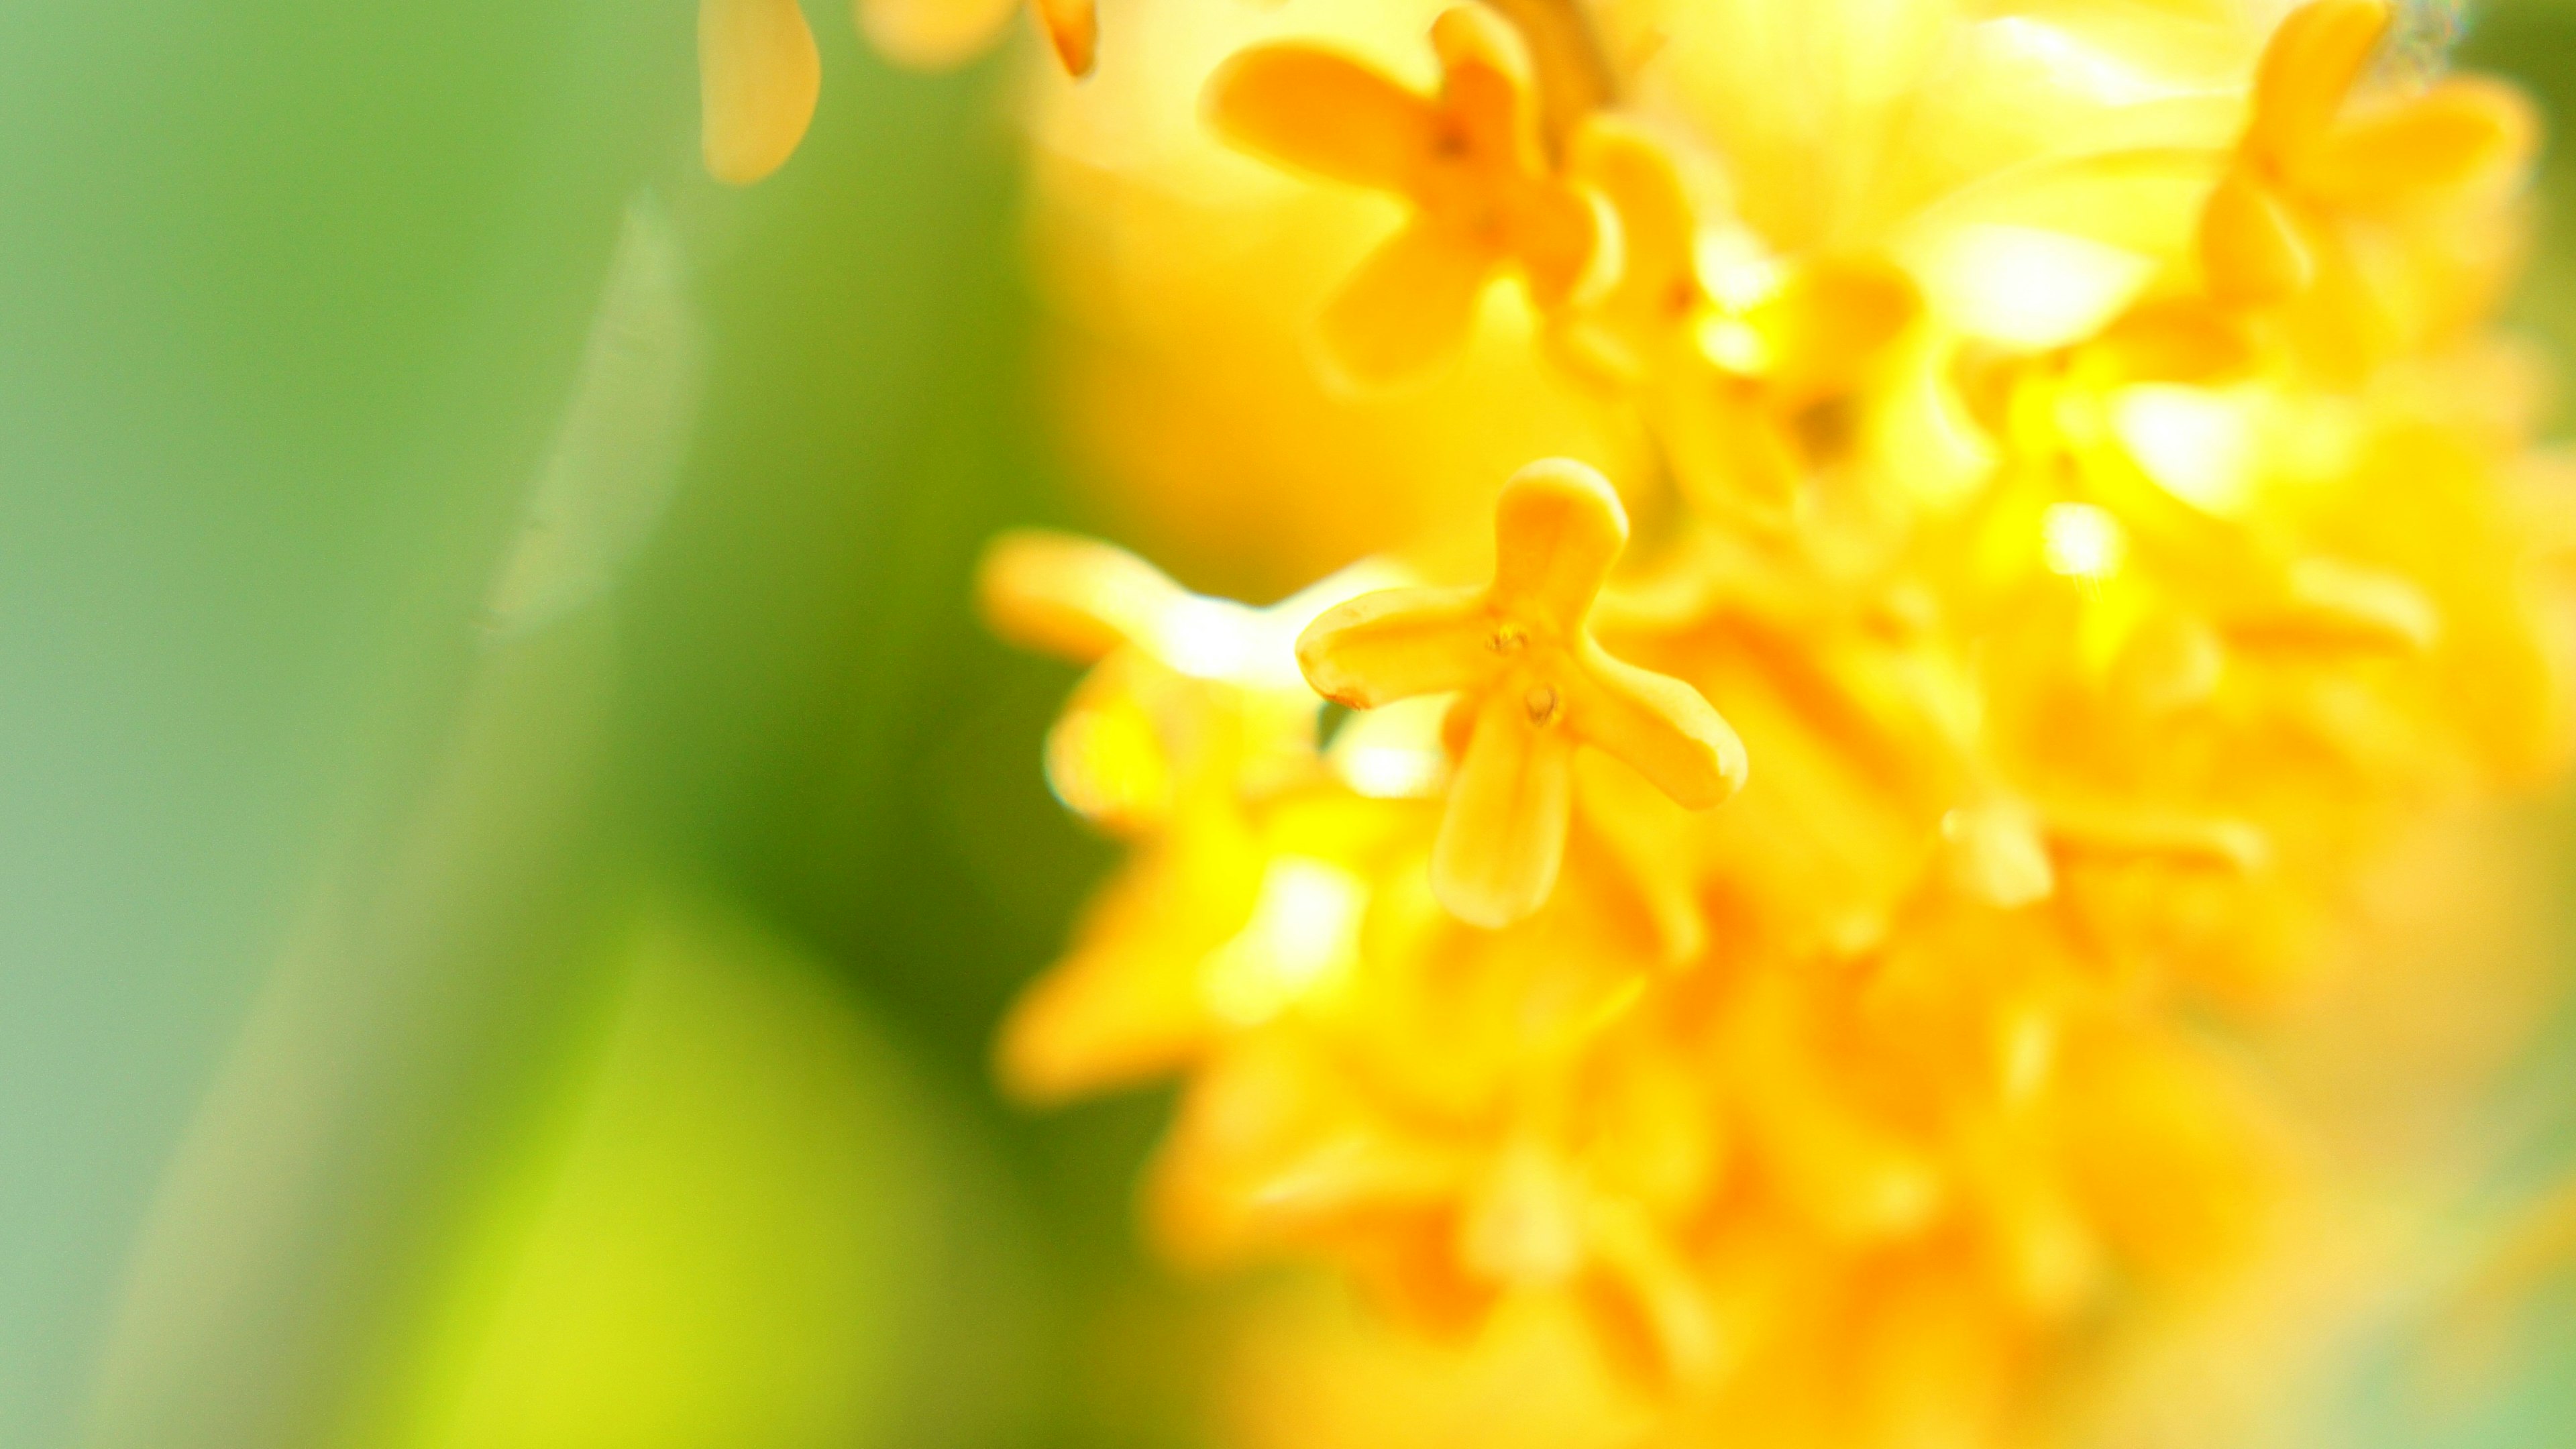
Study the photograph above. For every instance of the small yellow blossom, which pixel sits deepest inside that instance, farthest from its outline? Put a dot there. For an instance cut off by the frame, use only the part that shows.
(1183, 687)
(759, 75)
(2312, 161)
(1532, 685)
(1743, 370)
(1466, 161)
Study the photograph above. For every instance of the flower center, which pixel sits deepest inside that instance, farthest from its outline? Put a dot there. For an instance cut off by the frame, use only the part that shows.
(1543, 704)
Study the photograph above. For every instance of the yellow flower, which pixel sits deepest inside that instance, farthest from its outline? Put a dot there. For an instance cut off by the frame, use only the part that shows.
(1742, 371)
(758, 77)
(1194, 731)
(2105, 599)
(1532, 685)
(759, 74)
(1466, 161)
(2310, 162)
(1187, 693)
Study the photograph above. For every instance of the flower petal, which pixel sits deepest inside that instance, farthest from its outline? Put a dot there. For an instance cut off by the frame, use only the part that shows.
(2308, 69)
(1558, 527)
(2179, 339)
(758, 77)
(1125, 1004)
(1408, 306)
(932, 34)
(1636, 173)
(1073, 597)
(1395, 644)
(1833, 320)
(1073, 28)
(1658, 725)
(1472, 39)
(2251, 254)
(1503, 839)
(2459, 132)
(1311, 108)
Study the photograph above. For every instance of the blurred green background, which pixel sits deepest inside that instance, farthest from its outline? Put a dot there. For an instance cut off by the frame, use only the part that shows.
(558, 1018)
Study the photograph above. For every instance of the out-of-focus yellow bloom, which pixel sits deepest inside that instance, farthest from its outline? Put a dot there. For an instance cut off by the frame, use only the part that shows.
(1185, 688)
(1531, 685)
(2100, 601)
(1467, 161)
(759, 74)
(2315, 167)
(1744, 357)
(1194, 732)
(758, 77)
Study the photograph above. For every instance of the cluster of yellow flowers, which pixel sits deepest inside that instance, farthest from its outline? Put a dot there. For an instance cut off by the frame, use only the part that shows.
(1774, 955)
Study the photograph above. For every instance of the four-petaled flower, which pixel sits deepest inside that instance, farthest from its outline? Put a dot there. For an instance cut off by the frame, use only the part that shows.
(2305, 164)
(759, 74)
(1469, 161)
(1532, 684)
(1186, 694)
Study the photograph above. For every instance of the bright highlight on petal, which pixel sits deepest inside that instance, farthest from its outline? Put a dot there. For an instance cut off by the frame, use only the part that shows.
(2028, 287)
(2197, 444)
(2080, 541)
(1303, 934)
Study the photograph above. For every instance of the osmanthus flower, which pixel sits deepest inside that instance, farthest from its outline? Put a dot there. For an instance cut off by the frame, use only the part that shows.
(1194, 733)
(2319, 169)
(1531, 684)
(1742, 372)
(759, 74)
(758, 78)
(1484, 197)
(1902, 1056)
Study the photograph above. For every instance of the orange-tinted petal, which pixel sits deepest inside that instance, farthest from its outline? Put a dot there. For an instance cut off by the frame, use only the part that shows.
(2308, 69)
(1558, 528)
(2335, 605)
(1408, 306)
(932, 34)
(1311, 108)
(2206, 842)
(1830, 323)
(1395, 644)
(758, 77)
(1472, 38)
(2251, 253)
(2181, 339)
(2459, 132)
(1503, 839)
(1073, 28)
(1073, 597)
(1636, 173)
(1568, 243)
(1658, 725)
